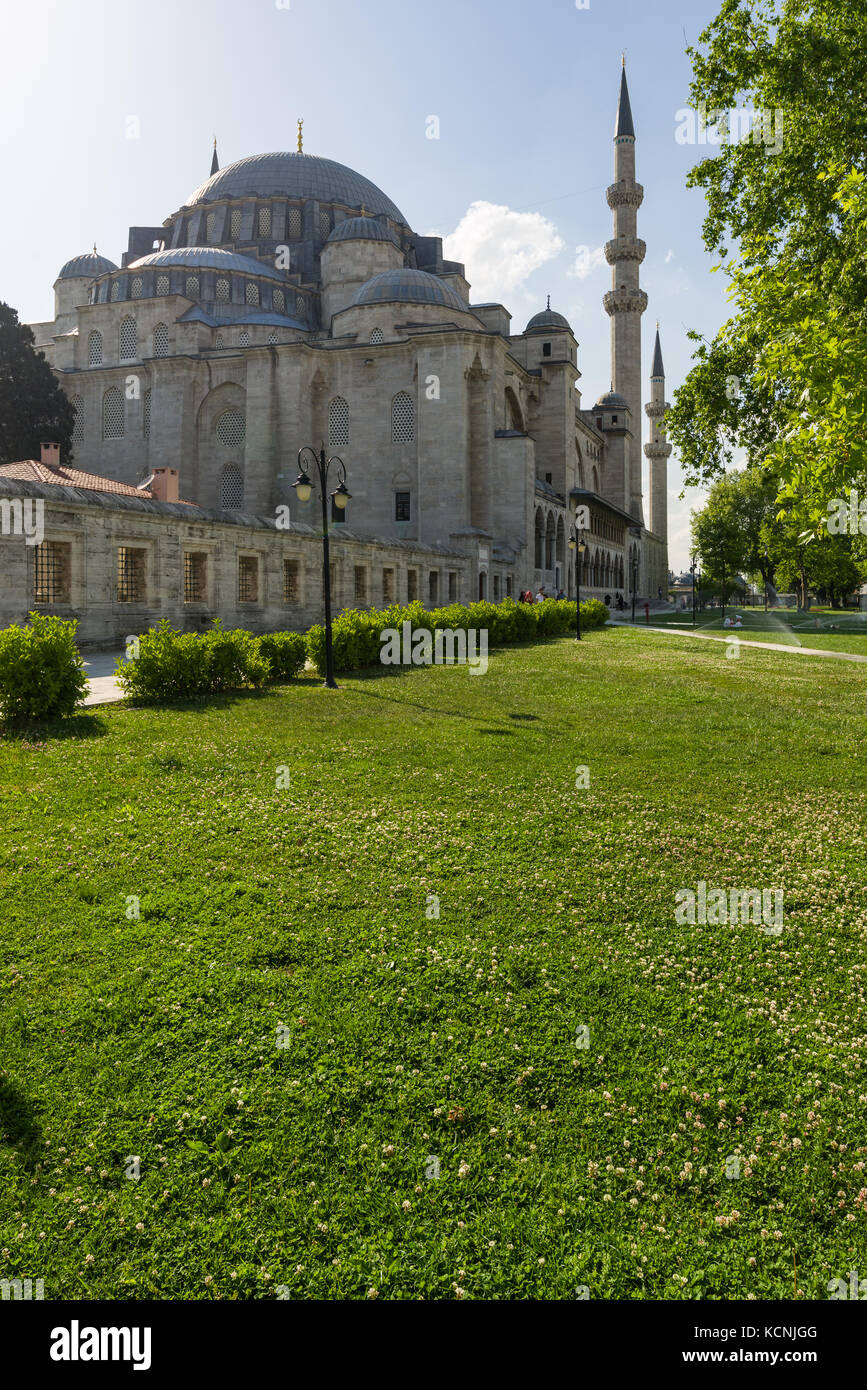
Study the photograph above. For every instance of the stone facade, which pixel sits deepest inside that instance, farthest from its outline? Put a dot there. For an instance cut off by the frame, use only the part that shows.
(288, 302)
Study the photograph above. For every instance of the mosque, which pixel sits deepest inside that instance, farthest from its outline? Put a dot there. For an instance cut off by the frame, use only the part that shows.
(288, 301)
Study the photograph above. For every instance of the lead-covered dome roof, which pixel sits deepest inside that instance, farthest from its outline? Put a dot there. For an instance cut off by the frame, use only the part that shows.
(291, 175)
(88, 266)
(363, 229)
(547, 320)
(206, 258)
(412, 286)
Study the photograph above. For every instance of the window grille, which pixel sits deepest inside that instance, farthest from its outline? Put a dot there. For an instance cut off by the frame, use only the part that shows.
(146, 414)
(290, 581)
(248, 579)
(94, 350)
(215, 225)
(272, 338)
(244, 340)
(115, 290)
(402, 419)
(224, 291)
(112, 414)
(191, 288)
(377, 337)
(295, 222)
(300, 306)
(401, 506)
(388, 586)
(130, 575)
(236, 223)
(264, 224)
(324, 225)
(128, 340)
(279, 301)
(338, 423)
(195, 577)
(51, 572)
(161, 340)
(232, 490)
(163, 285)
(411, 585)
(251, 293)
(77, 404)
(136, 287)
(219, 341)
(232, 429)
(360, 584)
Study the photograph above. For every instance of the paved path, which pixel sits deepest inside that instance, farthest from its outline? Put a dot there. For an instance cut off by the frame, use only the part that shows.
(104, 689)
(735, 633)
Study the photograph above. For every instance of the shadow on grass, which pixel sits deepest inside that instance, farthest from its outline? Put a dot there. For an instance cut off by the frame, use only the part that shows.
(18, 1127)
(76, 726)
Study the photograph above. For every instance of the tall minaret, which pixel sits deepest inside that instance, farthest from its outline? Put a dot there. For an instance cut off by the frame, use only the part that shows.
(658, 450)
(626, 301)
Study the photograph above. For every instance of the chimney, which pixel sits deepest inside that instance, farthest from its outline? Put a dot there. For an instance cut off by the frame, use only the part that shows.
(50, 454)
(164, 484)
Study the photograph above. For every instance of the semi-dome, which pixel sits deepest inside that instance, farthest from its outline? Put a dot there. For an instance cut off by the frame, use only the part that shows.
(409, 286)
(88, 266)
(547, 320)
(206, 258)
(292, 175)
(612, 400)
(362, 229)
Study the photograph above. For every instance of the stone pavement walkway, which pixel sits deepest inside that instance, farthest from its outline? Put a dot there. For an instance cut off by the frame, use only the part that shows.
(100, 666)
(767, 646)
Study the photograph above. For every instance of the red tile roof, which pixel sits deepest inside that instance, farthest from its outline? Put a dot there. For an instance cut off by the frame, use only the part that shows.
(29, 471)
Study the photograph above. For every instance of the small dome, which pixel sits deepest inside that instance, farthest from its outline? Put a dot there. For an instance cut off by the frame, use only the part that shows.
(547, 320)
(88, 267)
(362, 229)
(206, 258)
(290, 175)
(612, 400)
(409, 286)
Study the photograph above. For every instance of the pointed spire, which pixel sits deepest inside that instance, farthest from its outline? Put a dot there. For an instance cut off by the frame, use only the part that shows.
(300, 135)
(94, 248)
(549, 301)
(215, 163)
(657, 369)
(624, 124)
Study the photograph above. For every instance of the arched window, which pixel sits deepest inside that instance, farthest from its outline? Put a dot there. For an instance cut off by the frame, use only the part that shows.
(112, 414)
(224, 292)
(115, 290)
(161, 340)
(295, 222)
(300, 306)
(191, 288)
(77, 403)
(402, 419)
(264, 224)
(338, 423)
(232, 429)
(215, 225)
(162, 284)
(236, 223)
(219, 341)
(136, 287)
(251, 293)
(324, 224)
(128, 340)
(94, 350)
(550, 534)
(232, 489)
(146, 415)
(244, 340)
(540, 539)
(279, 301)
(377, 337)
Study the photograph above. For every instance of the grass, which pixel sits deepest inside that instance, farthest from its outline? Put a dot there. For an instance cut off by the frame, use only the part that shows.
(292, 1043)
(842, 630)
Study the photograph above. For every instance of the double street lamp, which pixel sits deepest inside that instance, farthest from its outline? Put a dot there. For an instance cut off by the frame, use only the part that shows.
(578, 543)
(303, 489)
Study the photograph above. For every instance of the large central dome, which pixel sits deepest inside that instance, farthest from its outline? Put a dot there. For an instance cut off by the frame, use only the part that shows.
(292, 175)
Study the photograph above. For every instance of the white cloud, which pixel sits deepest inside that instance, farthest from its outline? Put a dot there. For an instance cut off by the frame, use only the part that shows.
(501, 248)
(587, 259)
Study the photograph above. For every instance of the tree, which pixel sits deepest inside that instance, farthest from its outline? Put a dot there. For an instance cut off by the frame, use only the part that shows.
(33, 407)
(787, 217)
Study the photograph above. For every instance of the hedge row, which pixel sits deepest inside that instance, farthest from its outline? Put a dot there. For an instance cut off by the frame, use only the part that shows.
(42, 676)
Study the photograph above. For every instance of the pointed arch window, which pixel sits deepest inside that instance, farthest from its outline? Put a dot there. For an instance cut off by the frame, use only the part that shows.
(251, 294)
(402, 419)
(264, 220)
(128, 339)
(236, 223)
(112, 414)
(224, 291)
(146, 414)
(162, 284)
(161, 340)
(136, 288)
(191, 287)
(77, 403)
(94, 350)
(279, 301)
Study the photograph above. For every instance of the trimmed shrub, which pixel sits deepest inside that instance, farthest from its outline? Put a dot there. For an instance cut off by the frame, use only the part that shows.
(356, 636)
(171, 665)
(285, 652)
(41, 671)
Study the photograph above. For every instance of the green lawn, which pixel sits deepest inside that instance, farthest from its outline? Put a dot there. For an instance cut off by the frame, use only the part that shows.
(301, 915)
(825, 629)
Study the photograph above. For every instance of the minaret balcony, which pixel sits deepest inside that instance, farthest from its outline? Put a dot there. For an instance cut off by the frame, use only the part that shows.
(656, 409)
(657, 451)
(625, 301)
(626, 194)
(625, 248)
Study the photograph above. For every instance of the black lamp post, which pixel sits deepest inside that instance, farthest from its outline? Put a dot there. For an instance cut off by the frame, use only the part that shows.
(303, 488)
(766, 578)
(634, 567)
(692, 572)
(579, 545)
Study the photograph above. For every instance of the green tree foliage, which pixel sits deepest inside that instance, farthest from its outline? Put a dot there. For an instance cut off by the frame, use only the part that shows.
(785, 379)
(33, 407)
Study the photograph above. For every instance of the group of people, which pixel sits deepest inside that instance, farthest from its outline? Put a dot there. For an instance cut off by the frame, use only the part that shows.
(526, 595)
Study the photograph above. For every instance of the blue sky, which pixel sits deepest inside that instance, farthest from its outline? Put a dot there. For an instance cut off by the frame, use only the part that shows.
(525, 93)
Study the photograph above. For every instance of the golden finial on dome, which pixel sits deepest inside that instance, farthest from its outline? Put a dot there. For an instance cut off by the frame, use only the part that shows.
(94, 248)
(300, 135)
(623, 59)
